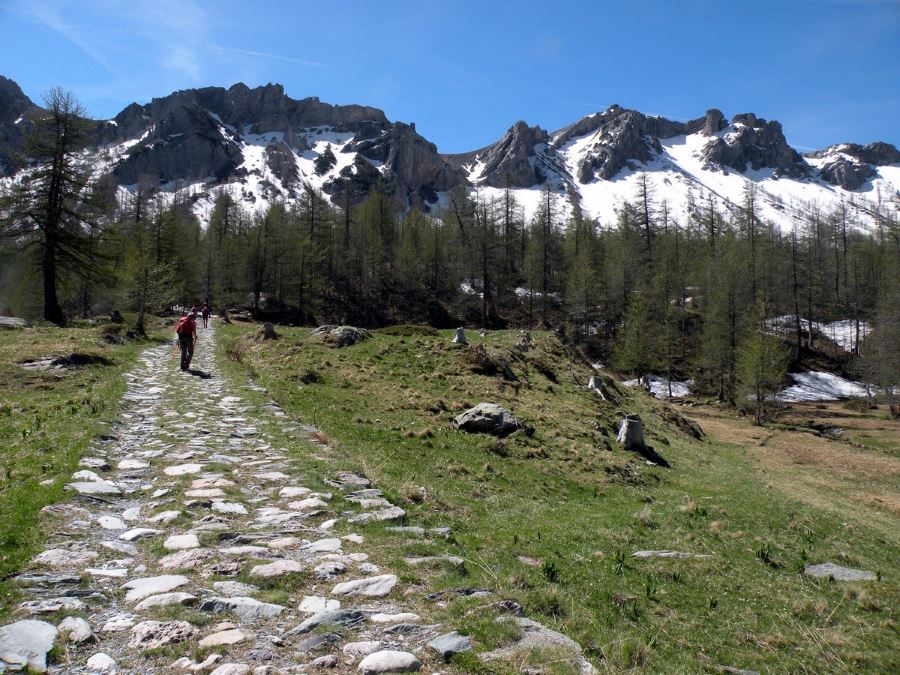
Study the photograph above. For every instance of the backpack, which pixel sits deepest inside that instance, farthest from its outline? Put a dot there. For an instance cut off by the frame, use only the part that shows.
(185, 325)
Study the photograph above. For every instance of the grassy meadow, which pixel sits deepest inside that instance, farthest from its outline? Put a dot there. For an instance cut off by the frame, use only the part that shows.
(550, 519)
(47, 419)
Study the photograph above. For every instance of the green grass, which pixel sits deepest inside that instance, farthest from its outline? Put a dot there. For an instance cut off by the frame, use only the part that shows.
(569, 498)
(47, 419)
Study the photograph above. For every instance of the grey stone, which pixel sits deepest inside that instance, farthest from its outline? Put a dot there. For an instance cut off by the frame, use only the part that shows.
(328, 570)
(327, 661)
(340, 617)
(392, 513)
(487, 418)
(25, 644)
(138, 589)
(75, 629)
(317, 642)
(94, 488)
(537, 636)
(181, 542)
(827, 570)
(389, 661)
(231, 669)
(154, 634)
(246, 608)
(375, 587)
(226, 637)
(101, 663)
(276, 569)
(448, 644)
(340, 336)
(668, 554)
(165, 599)
(363, 648)
(434, 559)
(234, 588)
(52, 605)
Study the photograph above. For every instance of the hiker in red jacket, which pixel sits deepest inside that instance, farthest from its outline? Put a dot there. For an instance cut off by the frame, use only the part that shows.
(187, 337)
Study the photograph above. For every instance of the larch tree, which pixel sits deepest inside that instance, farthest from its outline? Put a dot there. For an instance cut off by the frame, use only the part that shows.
(51, 208)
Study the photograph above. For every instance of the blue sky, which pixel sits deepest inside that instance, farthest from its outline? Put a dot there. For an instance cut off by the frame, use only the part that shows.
(464, 71)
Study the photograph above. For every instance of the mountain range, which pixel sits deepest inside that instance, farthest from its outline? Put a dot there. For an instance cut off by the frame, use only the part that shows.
(260, 145)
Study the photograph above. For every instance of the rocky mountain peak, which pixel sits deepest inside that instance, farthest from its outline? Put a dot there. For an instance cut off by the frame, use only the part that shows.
(13, 106)
(753, 142)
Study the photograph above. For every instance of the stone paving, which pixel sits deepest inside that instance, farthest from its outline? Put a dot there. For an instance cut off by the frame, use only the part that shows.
(192, 544)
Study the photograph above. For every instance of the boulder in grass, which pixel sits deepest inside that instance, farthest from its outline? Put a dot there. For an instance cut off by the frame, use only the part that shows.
(340, 336)
(487, 418)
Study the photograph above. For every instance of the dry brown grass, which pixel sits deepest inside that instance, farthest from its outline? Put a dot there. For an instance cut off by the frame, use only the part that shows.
(838, 475)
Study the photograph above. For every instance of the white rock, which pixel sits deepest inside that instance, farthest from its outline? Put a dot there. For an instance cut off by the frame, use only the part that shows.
(26, 644)
(230, 507)
(306, 504)
(94, 487)
(375, 587)
(131, 464)
(118, 623)
(353, 538)
(187, 559)
(276, 569)
(226, 637)
(313, 604)
(389, 661)
(332, 545)
(101, 663)
(165, 599)
(132, 514)
(234, 588)
(291, 492)
(84, 474)
(111, 523)
(164, 517)
(180, 542)
(120, 547)
(112, 572)
(182, 469)
(58, 557)
(209, 493)
(271, 476)
(143, 588)
(284, 542)
(245, 550)
(400, 617)
(231, 669)
(362, 648)
(75, 629)
(139, 533)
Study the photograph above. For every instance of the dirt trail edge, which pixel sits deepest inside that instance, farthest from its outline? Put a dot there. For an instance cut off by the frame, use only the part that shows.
(191, 544)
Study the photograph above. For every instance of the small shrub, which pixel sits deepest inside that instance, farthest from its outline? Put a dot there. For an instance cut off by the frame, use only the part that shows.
(550, 571)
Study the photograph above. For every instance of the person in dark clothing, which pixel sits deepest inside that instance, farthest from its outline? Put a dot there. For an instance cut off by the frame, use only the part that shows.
(204, 312)
(187, 337)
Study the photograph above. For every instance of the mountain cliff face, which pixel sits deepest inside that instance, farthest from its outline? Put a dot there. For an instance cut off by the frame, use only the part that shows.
(261, 145)
(13, 106)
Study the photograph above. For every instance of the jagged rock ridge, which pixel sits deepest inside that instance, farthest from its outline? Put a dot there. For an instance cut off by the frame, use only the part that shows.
(259, 145)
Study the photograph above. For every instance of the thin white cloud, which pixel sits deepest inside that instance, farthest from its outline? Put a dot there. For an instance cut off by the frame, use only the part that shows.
(50, 14)
(267, 55)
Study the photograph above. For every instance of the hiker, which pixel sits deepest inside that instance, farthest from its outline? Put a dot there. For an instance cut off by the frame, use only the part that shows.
(204, 311)
(187, 337)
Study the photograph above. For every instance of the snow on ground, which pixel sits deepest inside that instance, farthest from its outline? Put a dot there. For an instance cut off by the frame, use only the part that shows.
(820, 386)
(659, 386)
(841, 332)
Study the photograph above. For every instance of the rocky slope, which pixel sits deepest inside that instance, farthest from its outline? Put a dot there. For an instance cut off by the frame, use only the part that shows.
(261, 145)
